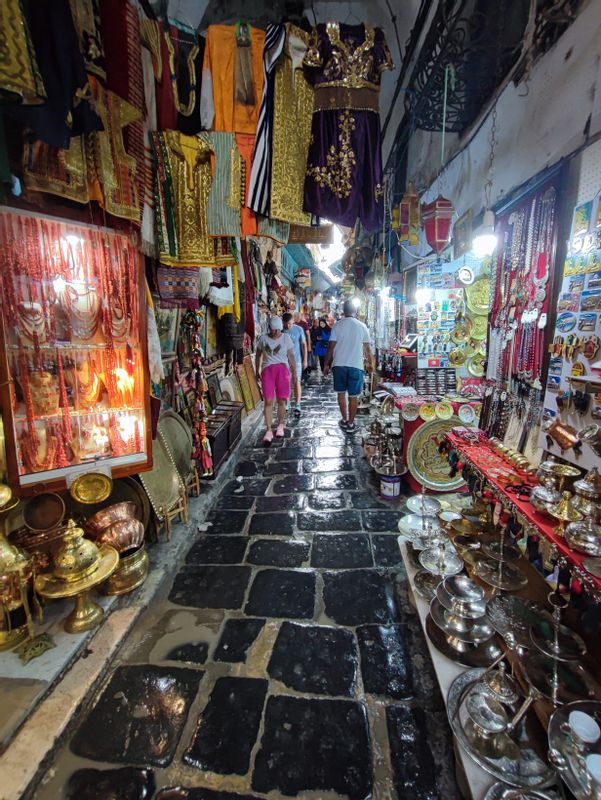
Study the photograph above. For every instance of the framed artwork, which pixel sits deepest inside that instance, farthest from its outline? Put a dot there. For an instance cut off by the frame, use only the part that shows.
(168, 328)
(245, 387)
(215, 395)
(255, 391)
(462, 235)
(237, 386)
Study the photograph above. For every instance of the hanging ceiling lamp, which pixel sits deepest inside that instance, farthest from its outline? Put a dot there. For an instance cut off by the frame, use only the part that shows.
(437, 217)
(484, 242)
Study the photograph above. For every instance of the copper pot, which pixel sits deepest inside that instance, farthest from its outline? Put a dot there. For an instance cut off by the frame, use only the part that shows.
(125, 535)
(106, 517)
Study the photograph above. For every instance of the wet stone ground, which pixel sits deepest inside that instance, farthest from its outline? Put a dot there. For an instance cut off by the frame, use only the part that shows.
(284, 659)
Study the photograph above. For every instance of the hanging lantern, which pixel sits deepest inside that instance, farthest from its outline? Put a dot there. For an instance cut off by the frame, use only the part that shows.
(409, 217)
(437, 217)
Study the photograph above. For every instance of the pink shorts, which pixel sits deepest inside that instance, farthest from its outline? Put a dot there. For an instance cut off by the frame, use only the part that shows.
(276, 382)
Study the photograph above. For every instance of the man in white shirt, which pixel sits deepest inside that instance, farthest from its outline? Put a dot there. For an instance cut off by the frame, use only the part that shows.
(349, 345)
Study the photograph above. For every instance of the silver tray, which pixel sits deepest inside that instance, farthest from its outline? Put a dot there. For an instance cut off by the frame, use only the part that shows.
(570, 646)
(425, 584)
(512, 617)
(423, 504)
(589, 545)
(510, 580)
(593, 565)
(501, 791)
(461, 604)
(493, 550)
(575, 682)
(564, 757)
(412, 522)
(482, 655)
(474, 631)
(527, 771)
(452, 564)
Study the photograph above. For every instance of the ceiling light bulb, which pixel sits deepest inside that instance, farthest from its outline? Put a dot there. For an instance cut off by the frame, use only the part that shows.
(484, 242)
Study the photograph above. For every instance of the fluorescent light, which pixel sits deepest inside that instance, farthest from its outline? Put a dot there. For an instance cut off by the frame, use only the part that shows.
(484, 242)
(356, 302)
(422, 296)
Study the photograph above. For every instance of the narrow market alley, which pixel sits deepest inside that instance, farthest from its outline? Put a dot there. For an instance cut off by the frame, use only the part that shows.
(287, 633)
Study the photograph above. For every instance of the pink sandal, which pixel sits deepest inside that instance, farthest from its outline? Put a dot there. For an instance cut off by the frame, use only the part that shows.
(268, 438)
(279, 434)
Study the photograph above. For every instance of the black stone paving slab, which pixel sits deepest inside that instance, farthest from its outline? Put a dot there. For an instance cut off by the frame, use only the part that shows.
(357, 597)
(386, 550)
(237, 636)
(293, 483)
(282, 593)
(283, 468)
(125, 783)
(249, 486)
(191, 653)
(217, 550)
(278, 524)
(381, 521)
(341, 450)
(294, 452)
(226, 521)
(315, 659)
(312, 746)
(248, 469)
(346, 481)
(330, 521)
(210, 587)
(412, 758)
(369, 500)
(179, 793)
(228, 726)
(276, 553)
(139, 716)
(235, 502)
(281, 502)
(385, 661)
(342, 551)
(328, 465)
(326, 501)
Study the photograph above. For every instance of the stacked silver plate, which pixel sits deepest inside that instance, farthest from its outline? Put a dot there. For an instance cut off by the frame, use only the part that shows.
(457, 624)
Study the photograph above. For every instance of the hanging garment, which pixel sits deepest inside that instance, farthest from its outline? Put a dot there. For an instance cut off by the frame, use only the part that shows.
(115, 186)
(274, 229)
(86, 17)
(153, 36)
(186, 50)
(260, 179)
(227, 190)
(59, 172)
(20, 79)
(221, 108)
(182, 187)
(68, 111)
(179, 287)
(293, 112)
(147, 230)
(245, 143)
(344, 169)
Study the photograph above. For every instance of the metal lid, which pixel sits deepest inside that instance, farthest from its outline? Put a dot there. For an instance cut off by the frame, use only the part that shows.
(589, 486)
(502, 685)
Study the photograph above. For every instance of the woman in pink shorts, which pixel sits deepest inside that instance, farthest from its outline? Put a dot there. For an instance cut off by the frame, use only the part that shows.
(275, 364)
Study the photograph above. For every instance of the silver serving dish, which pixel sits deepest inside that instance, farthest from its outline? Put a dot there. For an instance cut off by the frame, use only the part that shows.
(512, 617)
(474, 631)
(516, 760)
(560, 681)
(464, 653)
(585, 537)
(543, 497)
(557, 641)
(461, 596)
(412, 523)
(501, 791)
(567, 753)
(426, 584)
(500, 575)
(441, 561)
(423, 504)
(501, 686)
(467, 541)
(511, 552)
(593, 565)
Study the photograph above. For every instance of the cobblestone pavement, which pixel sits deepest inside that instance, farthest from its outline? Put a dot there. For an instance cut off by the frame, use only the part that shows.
(285, 660)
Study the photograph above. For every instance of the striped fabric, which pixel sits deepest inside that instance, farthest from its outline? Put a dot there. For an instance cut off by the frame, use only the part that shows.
(260, 176)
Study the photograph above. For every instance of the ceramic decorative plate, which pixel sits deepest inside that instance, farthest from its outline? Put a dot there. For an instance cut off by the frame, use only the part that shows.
(466, 414)
(461, 332)
(479, 327)
(429, 467)
(477, 295)
(410, 412)
(457, 357)
(443, 410)
(566, 321)
(427, 412)
(475, 365)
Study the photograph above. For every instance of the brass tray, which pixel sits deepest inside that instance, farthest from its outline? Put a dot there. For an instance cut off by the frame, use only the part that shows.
(479, 329)
(124, 489)
(477, 295)
(426, 464)
(53, 588)
(475, 365)
(177, 438)
(162, 484)
(91, 488)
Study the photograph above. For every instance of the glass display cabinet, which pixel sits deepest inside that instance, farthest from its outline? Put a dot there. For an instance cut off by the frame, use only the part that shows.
(73, 352)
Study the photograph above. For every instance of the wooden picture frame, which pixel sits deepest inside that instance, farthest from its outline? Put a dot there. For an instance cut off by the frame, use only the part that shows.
(167, 320)
(214, 389)
(245, 387)
(255, 389)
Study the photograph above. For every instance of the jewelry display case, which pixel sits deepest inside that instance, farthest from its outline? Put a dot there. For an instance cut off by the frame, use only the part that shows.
(73, 352)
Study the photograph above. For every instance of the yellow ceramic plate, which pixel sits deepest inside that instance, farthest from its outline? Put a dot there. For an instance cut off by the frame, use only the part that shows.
(443, 410)
(427, 412)
(477, 296)
(479, 327)
(457, 357)
(91, 487)
(475, 365)
(461, 332)
(410, 412)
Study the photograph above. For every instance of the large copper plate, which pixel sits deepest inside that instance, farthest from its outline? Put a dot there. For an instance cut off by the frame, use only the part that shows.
(429, 467)
(477, 295)
(177, 438)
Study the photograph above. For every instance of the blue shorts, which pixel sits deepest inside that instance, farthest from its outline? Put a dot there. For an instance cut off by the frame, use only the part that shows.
(348, 379)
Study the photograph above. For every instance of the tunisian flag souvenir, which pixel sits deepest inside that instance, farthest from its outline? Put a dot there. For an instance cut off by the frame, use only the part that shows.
(437, 217)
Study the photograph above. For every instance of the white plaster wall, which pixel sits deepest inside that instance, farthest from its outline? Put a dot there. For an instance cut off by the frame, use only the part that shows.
(536, 125)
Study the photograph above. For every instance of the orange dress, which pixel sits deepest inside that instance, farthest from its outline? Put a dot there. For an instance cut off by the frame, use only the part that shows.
(219, 110)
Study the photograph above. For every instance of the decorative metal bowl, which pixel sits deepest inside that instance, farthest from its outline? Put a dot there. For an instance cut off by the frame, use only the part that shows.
(124, 536)
(461, 596)
(103, 519)
(44, 512)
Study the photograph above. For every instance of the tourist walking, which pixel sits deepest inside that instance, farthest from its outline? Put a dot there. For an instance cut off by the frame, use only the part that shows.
(297, 334)
(347, 349)
(322, 340)
(276, 365)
